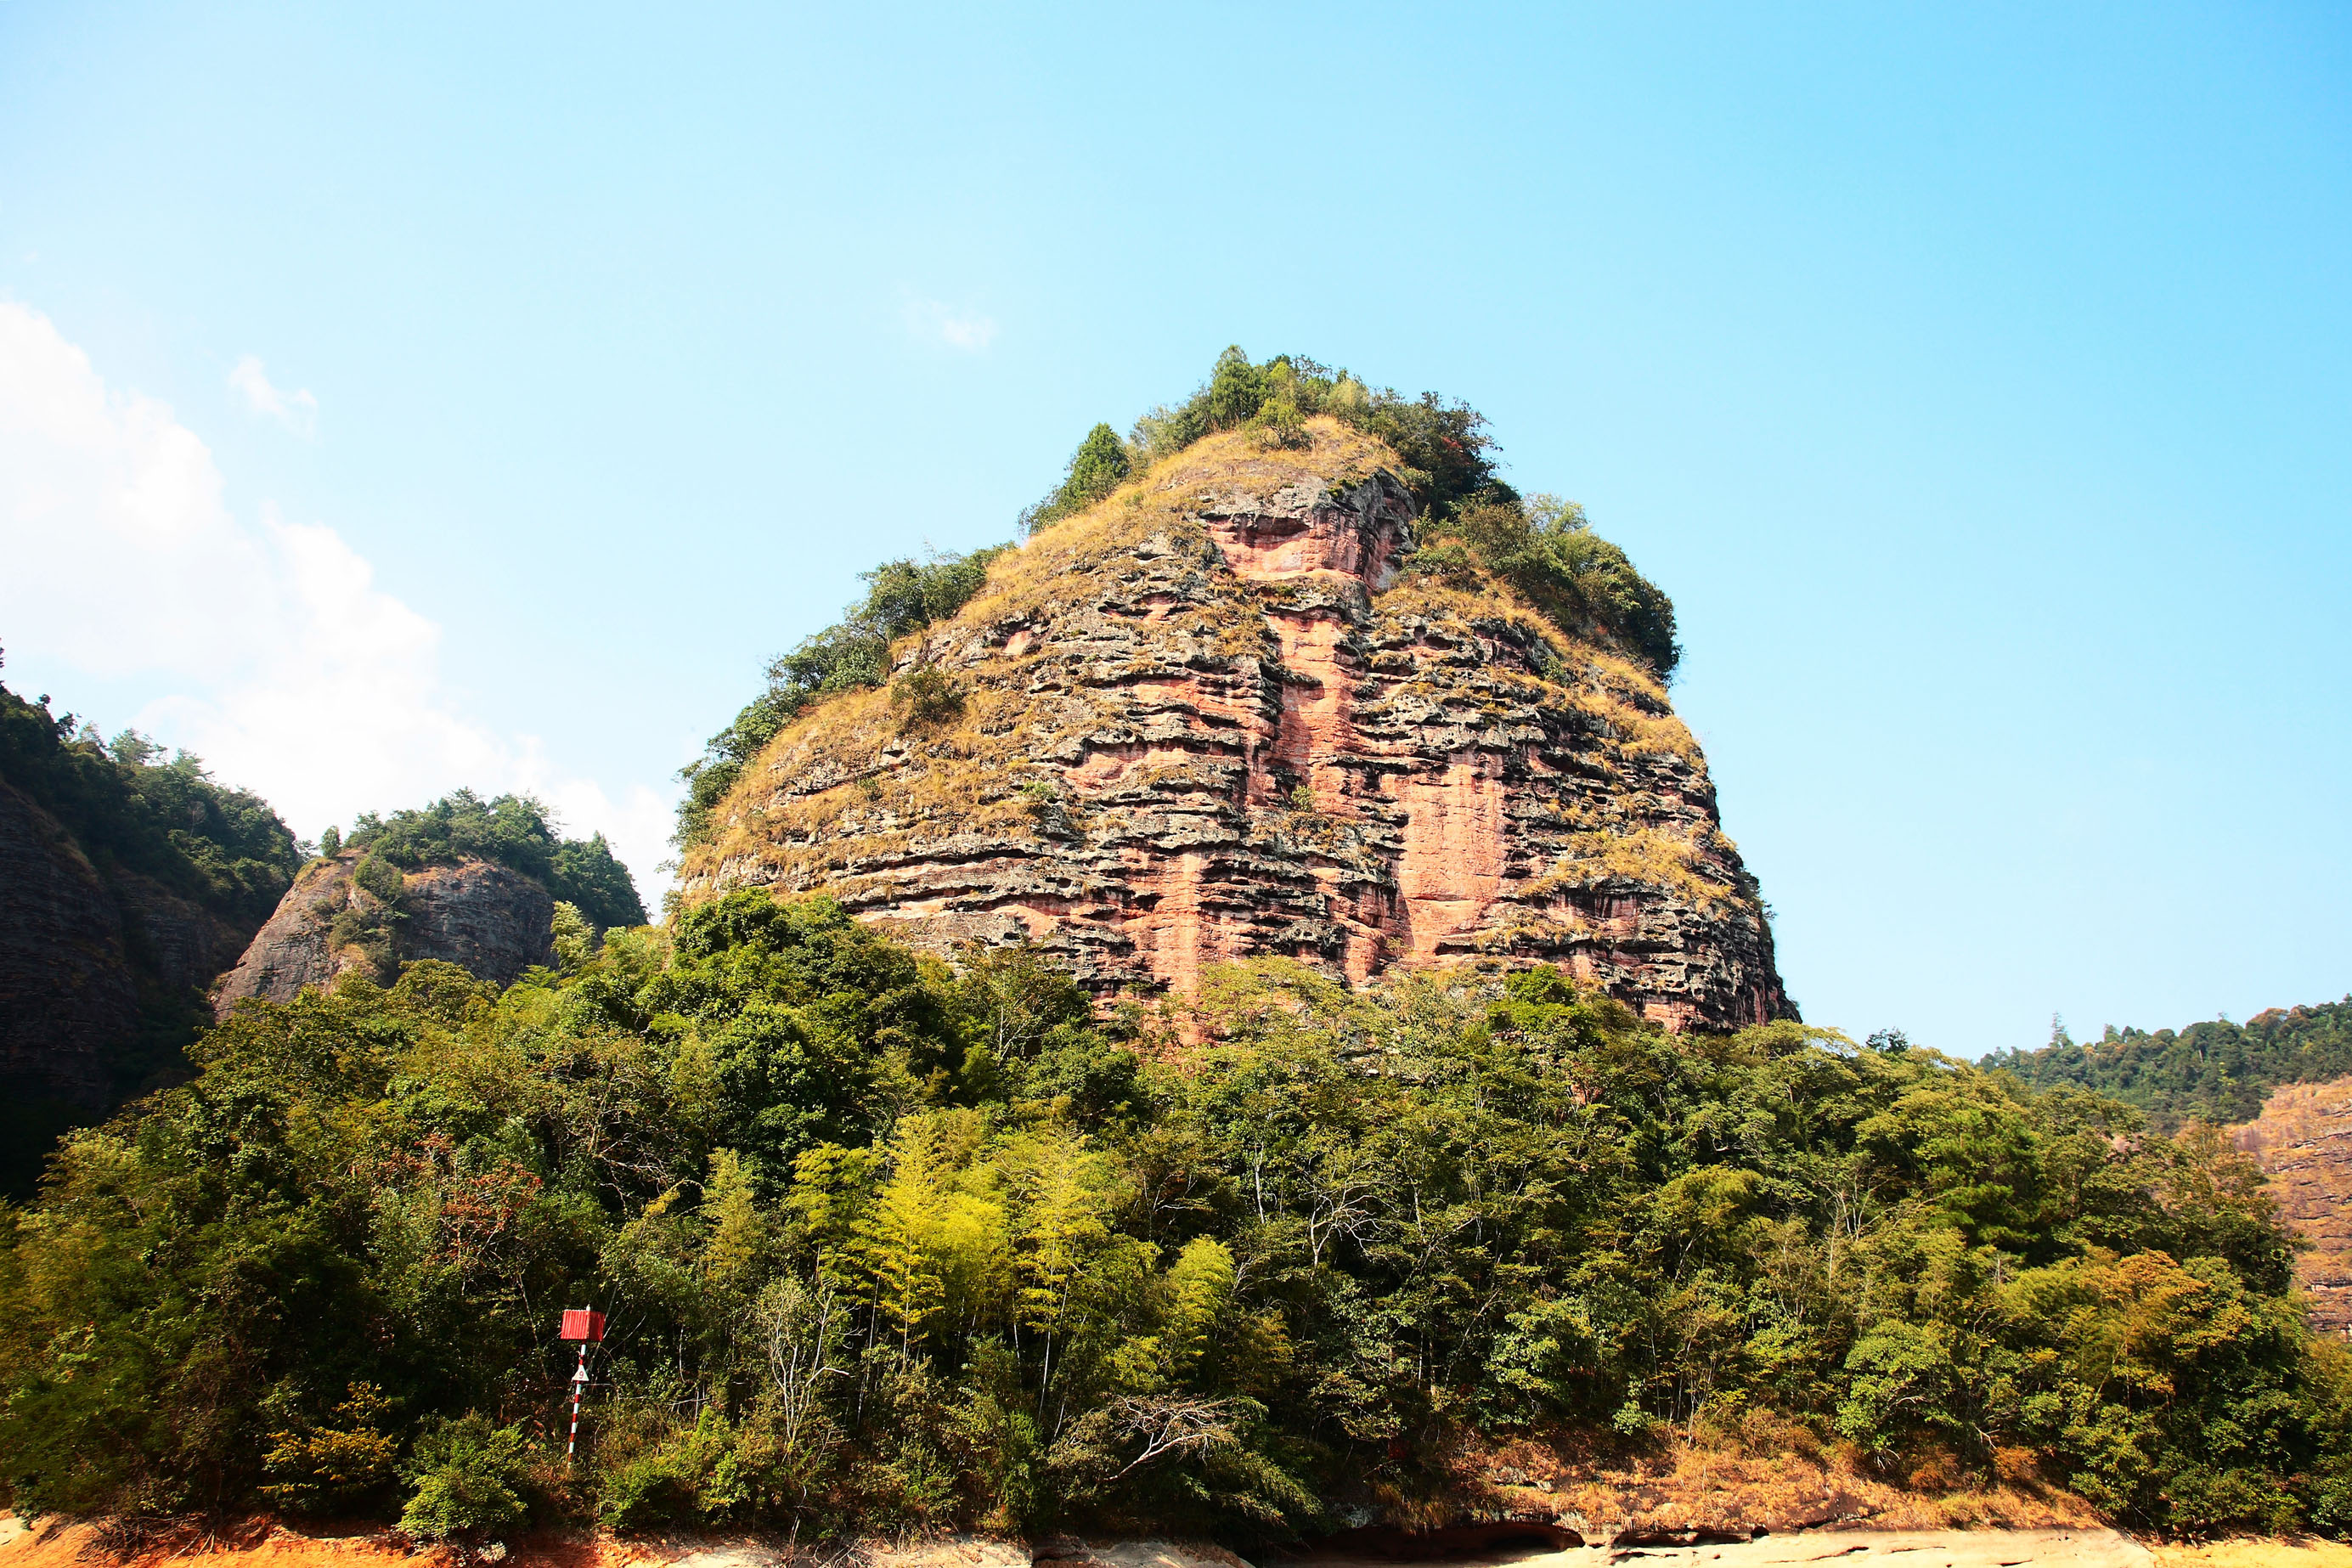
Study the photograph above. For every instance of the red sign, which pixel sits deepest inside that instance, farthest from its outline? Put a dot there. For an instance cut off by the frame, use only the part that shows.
(581, 1323)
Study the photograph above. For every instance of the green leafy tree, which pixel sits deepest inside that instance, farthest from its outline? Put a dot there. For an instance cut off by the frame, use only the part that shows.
(886, 1244)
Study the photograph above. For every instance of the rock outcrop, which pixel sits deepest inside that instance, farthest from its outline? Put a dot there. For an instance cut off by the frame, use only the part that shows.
(2303, 1140)
(82, 954)
(1218, 716)
(490, 921)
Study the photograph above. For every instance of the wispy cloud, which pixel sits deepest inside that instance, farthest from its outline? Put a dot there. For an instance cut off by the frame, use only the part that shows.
(278, 657)
(298, 411)
(937, 323)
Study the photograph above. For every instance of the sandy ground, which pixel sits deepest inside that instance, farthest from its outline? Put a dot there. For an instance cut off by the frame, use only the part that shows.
(1886, 1548)
(2257, 1554)
(50, 1544)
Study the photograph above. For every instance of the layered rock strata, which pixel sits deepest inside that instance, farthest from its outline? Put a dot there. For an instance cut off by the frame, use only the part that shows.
(1219, 716)
(490, 921)
(2303, 1141)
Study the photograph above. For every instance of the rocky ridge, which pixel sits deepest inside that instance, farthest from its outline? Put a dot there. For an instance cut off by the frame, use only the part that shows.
(489, 921)
(1218, 716)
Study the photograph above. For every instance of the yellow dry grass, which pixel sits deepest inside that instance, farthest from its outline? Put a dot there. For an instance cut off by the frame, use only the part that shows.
(1732, 1485)
(1023, 583)
(1639, 854)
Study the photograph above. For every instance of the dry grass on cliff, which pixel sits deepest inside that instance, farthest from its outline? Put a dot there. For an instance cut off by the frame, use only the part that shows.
(1639, 854)
(1022, 584)
(961, 776)
(952, 778)
(1623, 696)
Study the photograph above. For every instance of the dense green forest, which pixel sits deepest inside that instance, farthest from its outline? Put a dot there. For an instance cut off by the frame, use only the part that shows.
(2216, 1070)
(1472, 524)
(513, 831)
(884, 1242)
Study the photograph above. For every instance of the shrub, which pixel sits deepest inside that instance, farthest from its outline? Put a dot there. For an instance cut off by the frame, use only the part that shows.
(469, 1479)
(317, 1468)
(379, 875)
(947, 1252)
(514, 831)
(926, 696)
(1545, 549)
(692, 1476)
(572, 936)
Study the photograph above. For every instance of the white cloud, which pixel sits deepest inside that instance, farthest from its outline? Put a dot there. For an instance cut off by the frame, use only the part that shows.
(298, 411)
(278, 658)
(933, 321)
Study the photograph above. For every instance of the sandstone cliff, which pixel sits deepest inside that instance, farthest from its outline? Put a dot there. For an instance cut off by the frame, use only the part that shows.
(87, 959)
(489, 921)
(1217, 716)
(2304, 1142)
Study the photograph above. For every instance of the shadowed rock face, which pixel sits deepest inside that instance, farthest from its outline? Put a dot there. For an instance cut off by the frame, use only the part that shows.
(490, 921)
(1215, 717)
(75, 948)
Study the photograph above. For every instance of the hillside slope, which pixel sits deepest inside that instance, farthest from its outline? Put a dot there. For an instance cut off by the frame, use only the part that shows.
(465, 880)
(1226, 712)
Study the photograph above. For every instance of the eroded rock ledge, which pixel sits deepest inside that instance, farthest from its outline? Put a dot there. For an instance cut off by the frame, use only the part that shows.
(1217, 717)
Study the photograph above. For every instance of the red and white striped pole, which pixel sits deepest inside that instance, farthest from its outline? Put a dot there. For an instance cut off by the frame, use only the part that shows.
(579, 1387)
(586, 1325)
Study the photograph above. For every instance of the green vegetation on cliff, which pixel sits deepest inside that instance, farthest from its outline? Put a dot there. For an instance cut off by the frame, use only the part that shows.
(901, 598)
(513, 830)
(141, 824)
(1472, 524)
(2215, 1070)
(127, 807)
(886, 1244)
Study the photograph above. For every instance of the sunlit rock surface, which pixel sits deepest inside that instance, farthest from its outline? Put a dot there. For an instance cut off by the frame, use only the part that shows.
(1219, 715)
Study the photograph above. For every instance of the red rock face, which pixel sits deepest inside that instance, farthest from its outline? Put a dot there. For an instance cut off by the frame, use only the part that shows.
(2303, 1141)
(1219, 717)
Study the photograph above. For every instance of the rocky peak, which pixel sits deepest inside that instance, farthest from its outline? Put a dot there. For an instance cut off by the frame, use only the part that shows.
(353, 911)
(1218, 716)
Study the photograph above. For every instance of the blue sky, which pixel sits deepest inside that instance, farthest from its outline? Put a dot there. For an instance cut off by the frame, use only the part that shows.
(417, 397)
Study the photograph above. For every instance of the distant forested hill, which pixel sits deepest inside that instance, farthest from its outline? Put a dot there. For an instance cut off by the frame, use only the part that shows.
(513, 831)
(2216, 1070)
